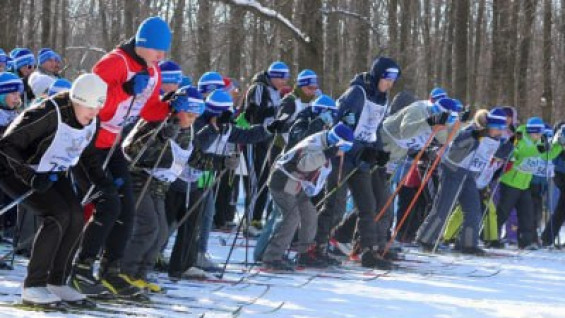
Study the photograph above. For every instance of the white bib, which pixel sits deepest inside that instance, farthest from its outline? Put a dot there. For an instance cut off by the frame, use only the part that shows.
(369, 120)
(479, 159)
(310, 188)
(485, 176)
(119, 119)
(190, 174)
(66, 147)
(180, 161)
(7, 116)
(415, 143)
(220, 146)
(537, 166)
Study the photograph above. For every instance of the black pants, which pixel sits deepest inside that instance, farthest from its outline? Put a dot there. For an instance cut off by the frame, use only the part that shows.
(260, 154)
(58, 236)
(185, 249)
(521, 200)
(537, 191)
(225, 209)
(112, 222)
(558, 218)
(407, 232)
(333, 208)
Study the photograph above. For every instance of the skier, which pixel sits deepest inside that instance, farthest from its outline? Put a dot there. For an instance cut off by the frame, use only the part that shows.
(171, 77)
(60, 85)
(48, 63)
(532, 150)
(262, 101)
(36, 152)
(469, 153)
(134, 80)
(3, 61)
(23, 64)
(299, 174)
(163, 150)
(10, 101)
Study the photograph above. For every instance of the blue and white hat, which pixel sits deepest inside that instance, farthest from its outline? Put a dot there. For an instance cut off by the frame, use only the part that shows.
(341, 136)
(535, 125)
(3, 57)
(391, 73)
(437, 93)
(60, 85)
(10, 83)
(47, 54)
(154, 33)
(278, 70)
(307, 78)
(186, 81)
(323, 103)
(22, 57)
(218, 102)
(548, 131)
(210, 81)
(445, 104)
(195, 103)
(496, 119)
(171, 73)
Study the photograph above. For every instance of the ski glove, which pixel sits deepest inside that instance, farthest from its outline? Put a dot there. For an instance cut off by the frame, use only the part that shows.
(275, 127)
(327, 118)
(542, 148)
(349, 119)
(369, 155)
(382, 158)
(231, 162)
(169, 131)
(465, 115)
(136, 84)
(224, 118)
(438, 119)
(41, 182)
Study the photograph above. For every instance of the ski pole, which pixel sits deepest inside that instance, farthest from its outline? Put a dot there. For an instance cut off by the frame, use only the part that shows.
(434, 165)
(17, 201)
(413, 166)
(149, 142)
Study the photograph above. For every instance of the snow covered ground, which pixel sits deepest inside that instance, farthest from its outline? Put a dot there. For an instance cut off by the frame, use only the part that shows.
(518, 285)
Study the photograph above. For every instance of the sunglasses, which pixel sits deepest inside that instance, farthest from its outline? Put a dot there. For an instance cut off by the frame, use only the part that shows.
(30, 67)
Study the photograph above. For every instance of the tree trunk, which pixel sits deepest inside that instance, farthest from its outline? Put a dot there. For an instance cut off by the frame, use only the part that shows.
(529, 11)
(45, 23)
(129, 24)
(236, 37)
(477, 52)
(311, 54)
(286, 37)
(461, 33)
(204, 36)
(361, 38)
(393, 28)
(547, 106)
(177, 24)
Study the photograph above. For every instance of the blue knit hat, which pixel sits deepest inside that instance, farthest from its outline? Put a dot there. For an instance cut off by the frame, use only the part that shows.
(210, 81)
(307, 78)
(218, 102)
(548, 131)
(3, 57)
(437, 94)
(21, 57)
(46, 54)
(171, 73)
(154, 33)
(186, 81)
(496, 119)
(447, 104)
(391, 73)
(342, 136)
(535, 125)
(278, 70)
(323, 103)
(10, 83)
(195, 103)
(60, 85)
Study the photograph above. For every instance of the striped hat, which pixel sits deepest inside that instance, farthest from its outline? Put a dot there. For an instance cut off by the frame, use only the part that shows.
(60, 85)
(341, 136)
(323, 103)
(535, 125)
(218, 102)
(496, 119)
(40, 83)
(210, 81)
(195, 103)
(437, 94)
(22, 57)
(46, 54)
(171, 73)
(278, 70)
(186, 81)
(10, 83)
(307, 78)
(3, 57)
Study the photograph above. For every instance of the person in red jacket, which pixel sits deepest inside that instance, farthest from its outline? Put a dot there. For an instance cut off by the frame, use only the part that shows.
(134, 81)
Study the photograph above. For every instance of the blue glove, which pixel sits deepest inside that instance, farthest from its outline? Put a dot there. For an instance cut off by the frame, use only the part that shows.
(349, 119)
(327, 118)
(137, 83)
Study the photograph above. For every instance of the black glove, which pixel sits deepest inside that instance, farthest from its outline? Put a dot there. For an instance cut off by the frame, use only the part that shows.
(438, 119)
(108, 186)
(542, 148)
(465, 115)
(382, 158)
(276, 126)
(225, 118)
(169, 131)
(369, 155)
(476, 134)
(330, 152)
(41, 182)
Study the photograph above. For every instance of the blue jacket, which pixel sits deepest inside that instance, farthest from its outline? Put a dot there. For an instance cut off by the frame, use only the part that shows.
(353, 100)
